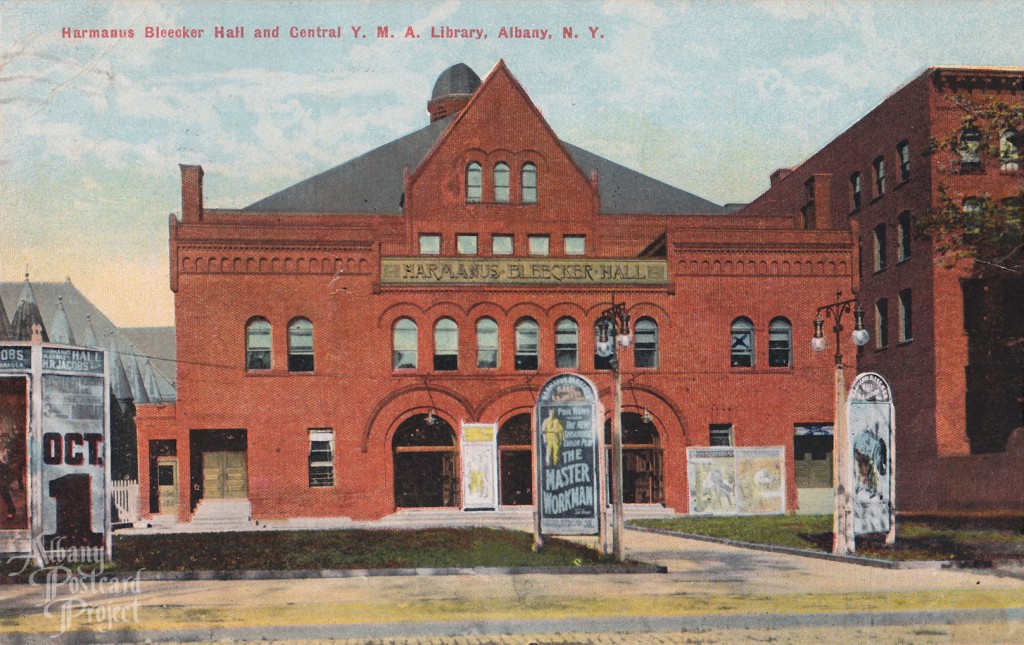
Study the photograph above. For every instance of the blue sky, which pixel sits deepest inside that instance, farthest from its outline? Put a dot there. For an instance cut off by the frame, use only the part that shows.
(708, 96)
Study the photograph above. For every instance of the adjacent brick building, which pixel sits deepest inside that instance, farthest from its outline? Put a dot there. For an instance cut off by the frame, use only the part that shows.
(332, 338)
(947, 339)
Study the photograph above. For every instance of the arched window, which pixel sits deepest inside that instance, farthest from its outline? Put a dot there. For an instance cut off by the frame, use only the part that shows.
(527, 340)
(645, 343)
(446, 345)
(1009, 150)
(780, 343)
(257, 344)
(474, 183)
(566, 343)
(486, 343)
(300, 345)
(501, 183)
(529, 183)
(404, 345)
(742, 348)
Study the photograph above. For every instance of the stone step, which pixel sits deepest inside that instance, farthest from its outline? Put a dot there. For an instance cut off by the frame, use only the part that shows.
(222, 511)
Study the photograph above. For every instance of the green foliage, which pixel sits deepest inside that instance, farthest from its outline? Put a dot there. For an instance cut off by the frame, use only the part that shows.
(346, 549)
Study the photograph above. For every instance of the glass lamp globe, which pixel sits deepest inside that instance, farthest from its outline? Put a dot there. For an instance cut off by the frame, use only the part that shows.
(604, 348)
(625, 340)
(818, 343)
(861, 337)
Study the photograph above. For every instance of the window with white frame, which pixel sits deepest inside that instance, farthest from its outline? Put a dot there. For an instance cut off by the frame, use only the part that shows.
(529, 183)
(446, 345)
(501, 183)
(742, 347)
(527, 344)
(300, 346)
(474, 183)
(257, 345)
(645, 343)
(780, 343)
(404, 345)
(567, 341)
(486, 343)
(321, 457)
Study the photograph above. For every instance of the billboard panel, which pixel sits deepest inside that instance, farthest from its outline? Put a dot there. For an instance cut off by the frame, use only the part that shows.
(479, 466)
(736, 481)
(870, 419)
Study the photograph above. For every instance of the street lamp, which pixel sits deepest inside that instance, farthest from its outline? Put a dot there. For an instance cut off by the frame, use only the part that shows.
(842, 518)
(613, 334)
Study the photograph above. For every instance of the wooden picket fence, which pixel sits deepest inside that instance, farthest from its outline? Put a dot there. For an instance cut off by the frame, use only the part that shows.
(125, 493)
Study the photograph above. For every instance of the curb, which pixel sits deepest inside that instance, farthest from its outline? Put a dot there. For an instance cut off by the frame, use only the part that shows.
(301, 574)
(807, 553)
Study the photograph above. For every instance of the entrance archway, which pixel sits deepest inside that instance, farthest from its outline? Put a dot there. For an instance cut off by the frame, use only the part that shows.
(643, 480)
(425, 458)
(515, 461)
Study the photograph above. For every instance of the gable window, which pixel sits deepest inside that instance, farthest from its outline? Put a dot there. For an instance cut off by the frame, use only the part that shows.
(474, 183)
(529, 183)
(855, 190)
(645, 343)
(540, 245)
(882, 323)
(321, 457)
(257, 344)
(1009, 151)
(879, 256)
(903, 154)
(903, 237)
(486, 343)
(501, 183)
(404, 345)
(575, 244)
(780, 343)
(906, 316)
(969, 149)
(720, 434)
(501, 245)
(742, 348)
(300, 346)
(527, 341)
(446, 345)
(879, 166)
(566, 343)
(466, 244)
(430, 244)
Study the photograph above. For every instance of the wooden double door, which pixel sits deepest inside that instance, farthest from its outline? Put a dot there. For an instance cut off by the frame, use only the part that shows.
(225, 475)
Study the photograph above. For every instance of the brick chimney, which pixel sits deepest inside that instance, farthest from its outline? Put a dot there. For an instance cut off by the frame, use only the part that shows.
(779, 175)
(191, 193)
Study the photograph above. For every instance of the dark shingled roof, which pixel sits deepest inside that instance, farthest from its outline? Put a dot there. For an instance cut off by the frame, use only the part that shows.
(373, 182)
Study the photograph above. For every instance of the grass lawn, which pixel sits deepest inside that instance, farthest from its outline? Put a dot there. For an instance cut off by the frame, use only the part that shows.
(978, 539)
(343, 549)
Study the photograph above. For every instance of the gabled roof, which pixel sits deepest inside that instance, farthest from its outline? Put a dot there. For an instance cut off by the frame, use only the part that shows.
(5, 323)
(60, 328)
(89, 325)
(373, 183)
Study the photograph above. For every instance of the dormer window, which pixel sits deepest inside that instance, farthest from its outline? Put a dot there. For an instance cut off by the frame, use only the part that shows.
(501, 183)
(529, 183)
(474, 183)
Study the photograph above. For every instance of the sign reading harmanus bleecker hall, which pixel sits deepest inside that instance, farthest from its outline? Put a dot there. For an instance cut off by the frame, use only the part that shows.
(508, 271)
(568, 472)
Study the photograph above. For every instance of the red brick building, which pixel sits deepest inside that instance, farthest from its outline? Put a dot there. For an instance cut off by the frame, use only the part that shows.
(943, 337)
(332, 338)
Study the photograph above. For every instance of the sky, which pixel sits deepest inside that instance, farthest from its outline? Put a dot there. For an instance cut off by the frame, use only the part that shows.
(707, 96)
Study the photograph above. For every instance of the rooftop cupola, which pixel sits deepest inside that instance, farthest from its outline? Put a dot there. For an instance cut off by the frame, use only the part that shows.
(453, 89)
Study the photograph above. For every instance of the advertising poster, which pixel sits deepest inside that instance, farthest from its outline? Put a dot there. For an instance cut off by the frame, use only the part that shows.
(479, 466)
(314, 237)
(872, 429)
(736, 481)
(567, 459)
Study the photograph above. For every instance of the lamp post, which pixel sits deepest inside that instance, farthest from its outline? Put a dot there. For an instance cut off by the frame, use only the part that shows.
(842, 519)
(613, 334)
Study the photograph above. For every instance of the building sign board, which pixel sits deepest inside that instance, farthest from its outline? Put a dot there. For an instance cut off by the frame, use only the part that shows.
(736, 481)
(871, 423)
(568, 467)
(73, 359)
(523, 271)
(479, 466)
(15, 357)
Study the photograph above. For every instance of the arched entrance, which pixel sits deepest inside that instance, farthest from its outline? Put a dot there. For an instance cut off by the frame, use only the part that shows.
(643, 480)
(515, 461)
(425, 458)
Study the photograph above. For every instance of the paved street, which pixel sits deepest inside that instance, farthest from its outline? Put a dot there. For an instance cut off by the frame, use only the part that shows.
(712, 593)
